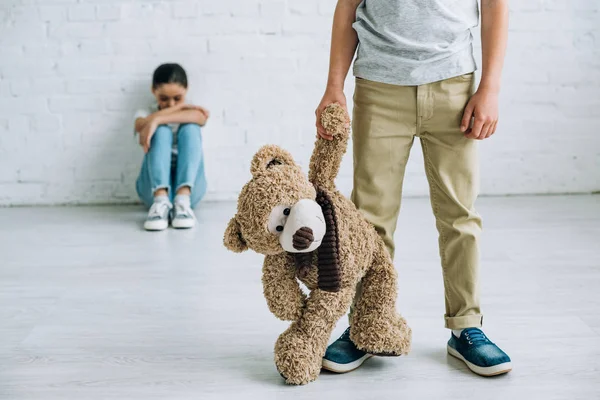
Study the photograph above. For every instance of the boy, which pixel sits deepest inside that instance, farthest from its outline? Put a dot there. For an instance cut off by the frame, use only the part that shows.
(415, 77)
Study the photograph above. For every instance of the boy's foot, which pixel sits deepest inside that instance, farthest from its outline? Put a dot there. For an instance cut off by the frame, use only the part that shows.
(183, 216)
(343, 356)
(158, 216)
(481, 355)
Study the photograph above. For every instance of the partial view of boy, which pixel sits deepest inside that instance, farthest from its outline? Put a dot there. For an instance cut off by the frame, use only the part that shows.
(414, 72)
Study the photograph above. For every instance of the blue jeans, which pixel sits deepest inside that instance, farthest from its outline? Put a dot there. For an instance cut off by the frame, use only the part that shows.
(159, 171)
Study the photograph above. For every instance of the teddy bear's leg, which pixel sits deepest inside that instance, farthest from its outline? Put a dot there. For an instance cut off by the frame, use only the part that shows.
(300, 349)
(376, 327)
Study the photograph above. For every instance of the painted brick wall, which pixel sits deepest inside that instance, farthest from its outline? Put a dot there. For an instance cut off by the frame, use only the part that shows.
(72, 73)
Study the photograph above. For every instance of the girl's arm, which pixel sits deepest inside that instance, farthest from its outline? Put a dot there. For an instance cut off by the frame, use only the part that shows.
(142, 121)
(181, 116)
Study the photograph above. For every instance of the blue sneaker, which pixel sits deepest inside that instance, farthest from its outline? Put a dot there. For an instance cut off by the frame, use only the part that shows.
(342, 355)
(481, 355)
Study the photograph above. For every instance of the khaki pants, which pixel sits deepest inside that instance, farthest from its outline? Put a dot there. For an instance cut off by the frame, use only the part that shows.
(386, 120)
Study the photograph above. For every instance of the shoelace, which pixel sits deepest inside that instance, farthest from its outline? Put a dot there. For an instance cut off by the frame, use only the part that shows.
(158, 210)
(475, 336)
(182, 211)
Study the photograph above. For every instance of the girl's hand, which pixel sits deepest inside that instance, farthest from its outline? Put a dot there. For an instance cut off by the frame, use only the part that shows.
(331, 96)
(146, 134)
(483, 106)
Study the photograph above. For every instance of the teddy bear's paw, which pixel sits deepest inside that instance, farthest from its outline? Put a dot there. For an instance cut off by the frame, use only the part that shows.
(287, 312)
(335, 120)
(296, 361)
(382, 337)
(285, 378)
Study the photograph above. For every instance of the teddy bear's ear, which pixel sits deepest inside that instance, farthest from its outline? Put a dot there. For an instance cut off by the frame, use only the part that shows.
(270, 156)
(233, 239)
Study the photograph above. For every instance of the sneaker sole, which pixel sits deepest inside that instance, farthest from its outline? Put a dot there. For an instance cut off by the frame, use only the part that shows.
(156, 225)
(343, 368)
(483, 371)
(183, 224)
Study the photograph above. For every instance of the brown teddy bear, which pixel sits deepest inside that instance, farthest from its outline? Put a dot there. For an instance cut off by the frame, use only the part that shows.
(307, 230)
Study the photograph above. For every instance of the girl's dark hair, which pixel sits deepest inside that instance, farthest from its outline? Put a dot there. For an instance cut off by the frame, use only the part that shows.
(169, 73)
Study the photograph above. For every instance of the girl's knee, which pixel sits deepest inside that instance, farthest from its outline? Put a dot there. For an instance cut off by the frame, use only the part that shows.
(163, 131)
(189, 128)
(162, 134)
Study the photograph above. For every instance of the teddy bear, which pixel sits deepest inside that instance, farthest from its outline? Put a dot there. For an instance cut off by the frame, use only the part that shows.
(309, 232)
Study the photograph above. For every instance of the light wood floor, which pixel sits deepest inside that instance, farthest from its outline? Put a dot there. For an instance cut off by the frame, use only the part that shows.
(92, 307)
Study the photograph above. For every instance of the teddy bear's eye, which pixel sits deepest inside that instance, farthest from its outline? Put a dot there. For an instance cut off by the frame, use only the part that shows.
(273, 162)
(278, 218)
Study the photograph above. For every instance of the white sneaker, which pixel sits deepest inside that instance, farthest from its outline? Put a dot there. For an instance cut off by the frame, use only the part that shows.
(158, 216)
(183, 217)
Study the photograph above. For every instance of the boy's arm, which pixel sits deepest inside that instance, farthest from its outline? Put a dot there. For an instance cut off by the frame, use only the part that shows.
(484, 103)
(343, 46)
(494, 35)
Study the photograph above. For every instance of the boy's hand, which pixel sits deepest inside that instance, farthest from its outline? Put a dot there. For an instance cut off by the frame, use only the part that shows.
(330, 96)
(483, 106)
(146, 134)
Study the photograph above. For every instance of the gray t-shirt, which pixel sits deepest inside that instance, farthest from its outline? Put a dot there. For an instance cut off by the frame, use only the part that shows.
(414, 42)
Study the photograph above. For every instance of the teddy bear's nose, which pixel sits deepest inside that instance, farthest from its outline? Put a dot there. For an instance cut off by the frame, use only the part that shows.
(303, 238)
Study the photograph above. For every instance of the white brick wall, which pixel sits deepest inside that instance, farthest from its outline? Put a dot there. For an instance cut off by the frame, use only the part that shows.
(72, 72)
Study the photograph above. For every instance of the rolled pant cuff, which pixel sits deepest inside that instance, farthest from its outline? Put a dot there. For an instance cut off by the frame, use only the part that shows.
(154, 189)
(466, 321)
(191, 186)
